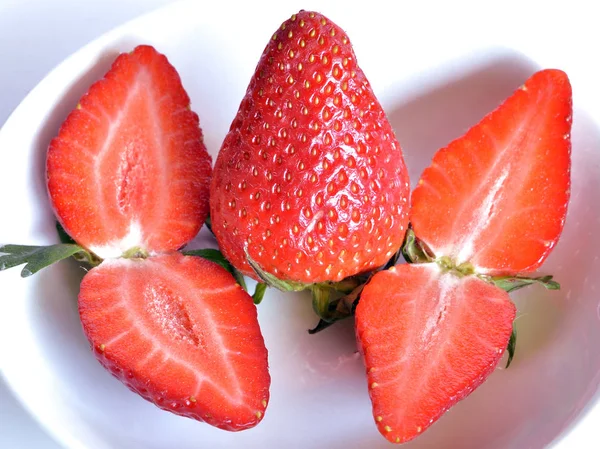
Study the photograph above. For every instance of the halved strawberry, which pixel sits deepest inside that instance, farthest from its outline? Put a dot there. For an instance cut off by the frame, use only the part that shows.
(128, 169)
(497, 197)
(179, 331)
(428, 338)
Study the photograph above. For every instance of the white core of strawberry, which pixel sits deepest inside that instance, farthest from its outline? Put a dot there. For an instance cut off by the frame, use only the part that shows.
(447, 283)
(116, 248)
(480, 221)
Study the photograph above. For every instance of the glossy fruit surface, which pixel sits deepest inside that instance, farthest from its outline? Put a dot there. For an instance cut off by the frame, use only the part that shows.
(497, 197)
(180, 332)
(310, 181)
(428, 339)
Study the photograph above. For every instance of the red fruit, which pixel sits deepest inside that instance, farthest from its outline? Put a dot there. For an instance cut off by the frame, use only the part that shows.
(310, 180)
(128, 169)
(179, 331)
(428, 338)
(497, 197)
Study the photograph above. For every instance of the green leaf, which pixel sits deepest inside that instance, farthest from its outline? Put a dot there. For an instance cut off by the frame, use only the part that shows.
(259, 292)
(208, 224)
(63, 236)
(273, 281)
(414, 250)
(214, 255)
(321, 325)
(85, 256)
(321, 301)
(512, 283)
(344, 286)
(239, 277)
(331, 307)
(512, 346)
(37, 257)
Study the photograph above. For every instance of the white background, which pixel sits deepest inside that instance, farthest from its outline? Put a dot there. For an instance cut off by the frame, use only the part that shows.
(36, 35)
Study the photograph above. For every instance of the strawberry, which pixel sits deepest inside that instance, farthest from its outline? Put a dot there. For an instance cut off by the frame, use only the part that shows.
(497, 197)
(128, 171)
(179, 331)
(310, 183)
(428, 338)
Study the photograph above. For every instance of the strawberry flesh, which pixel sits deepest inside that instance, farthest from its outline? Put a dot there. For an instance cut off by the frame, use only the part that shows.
(428, 338)
(179, 331)
(128, 168)
(497, 197)
(310, 180)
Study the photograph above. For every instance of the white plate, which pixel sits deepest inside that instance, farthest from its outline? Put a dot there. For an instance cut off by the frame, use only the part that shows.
(437, 71)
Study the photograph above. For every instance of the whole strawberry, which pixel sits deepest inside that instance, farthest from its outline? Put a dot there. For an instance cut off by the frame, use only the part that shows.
(310, 183)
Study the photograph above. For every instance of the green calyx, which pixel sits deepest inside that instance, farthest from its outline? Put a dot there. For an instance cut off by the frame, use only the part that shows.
(135, 253)
(335, 301)
(272, 280)
(460, 270)
(512, 346)
(36, 258)
(506, 283)
(414, 250)
(332, 301)
(332, 305)
(512, 283)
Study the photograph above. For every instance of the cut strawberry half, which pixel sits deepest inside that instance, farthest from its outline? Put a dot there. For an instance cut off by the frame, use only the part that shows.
(428, 338)
(128, 169)
(179, 331)
(497, 197)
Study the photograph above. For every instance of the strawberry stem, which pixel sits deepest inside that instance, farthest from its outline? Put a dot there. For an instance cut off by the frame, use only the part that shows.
(259, 292)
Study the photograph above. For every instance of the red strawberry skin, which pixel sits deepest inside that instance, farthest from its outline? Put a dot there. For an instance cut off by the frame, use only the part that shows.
(129, 167)
(497, 197)
(428, 339)
(310, 179)
(180, 332)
